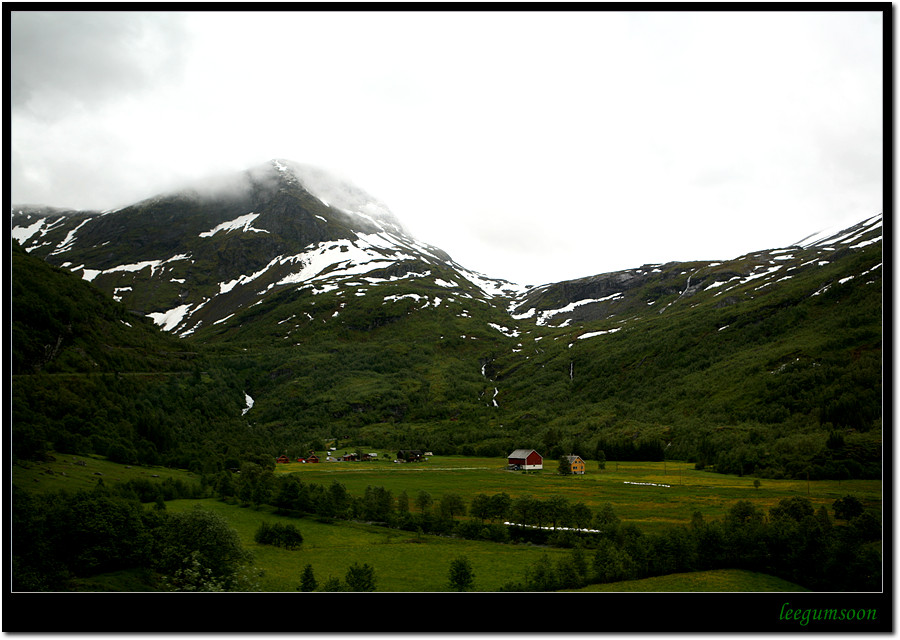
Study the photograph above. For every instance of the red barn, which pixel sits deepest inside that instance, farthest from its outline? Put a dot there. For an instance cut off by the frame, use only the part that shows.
(526, 459)
(282, 459)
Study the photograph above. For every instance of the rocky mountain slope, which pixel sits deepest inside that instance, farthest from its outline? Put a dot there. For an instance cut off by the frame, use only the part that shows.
(193, 258)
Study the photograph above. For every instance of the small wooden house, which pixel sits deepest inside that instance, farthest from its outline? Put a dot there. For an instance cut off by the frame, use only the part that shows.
(409, 455)
(282, 459)
(576, 465)
(525, 460)
(312, 458)
(350, 457)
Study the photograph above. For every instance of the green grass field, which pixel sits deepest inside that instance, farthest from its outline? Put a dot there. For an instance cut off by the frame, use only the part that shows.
(720, 580)
(668, 494)
(403, 561)
(651, 508)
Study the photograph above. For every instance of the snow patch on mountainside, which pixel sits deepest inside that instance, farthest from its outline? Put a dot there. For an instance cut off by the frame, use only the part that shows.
(90, 274)
(244, 223)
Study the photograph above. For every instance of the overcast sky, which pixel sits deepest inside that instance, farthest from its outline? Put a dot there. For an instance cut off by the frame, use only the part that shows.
(531, 146)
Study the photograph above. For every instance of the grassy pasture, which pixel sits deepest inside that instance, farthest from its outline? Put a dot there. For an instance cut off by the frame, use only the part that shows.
(69, 472)
(720, 580)
(407, 562)
(403, 561)
(652, 508)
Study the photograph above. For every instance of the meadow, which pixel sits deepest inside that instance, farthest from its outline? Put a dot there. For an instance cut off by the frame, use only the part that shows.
(654, 496)
(651, 495)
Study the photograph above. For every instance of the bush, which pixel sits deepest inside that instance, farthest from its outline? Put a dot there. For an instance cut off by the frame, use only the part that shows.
(199, 551)
(286, 536)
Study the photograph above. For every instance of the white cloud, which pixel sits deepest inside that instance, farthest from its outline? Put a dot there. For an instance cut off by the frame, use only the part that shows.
(533, 146)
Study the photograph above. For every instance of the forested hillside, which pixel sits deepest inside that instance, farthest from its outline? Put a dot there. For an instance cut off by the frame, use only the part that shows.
(90, 377)
(316, 319)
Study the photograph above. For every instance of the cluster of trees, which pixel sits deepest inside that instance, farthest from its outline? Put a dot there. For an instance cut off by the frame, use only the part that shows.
(61, 536)
(793, 541)
(257, 485)
(282, 535)
(359, 577)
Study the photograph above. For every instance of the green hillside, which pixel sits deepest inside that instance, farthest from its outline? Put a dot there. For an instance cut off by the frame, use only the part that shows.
(769, 364)
(89, 377)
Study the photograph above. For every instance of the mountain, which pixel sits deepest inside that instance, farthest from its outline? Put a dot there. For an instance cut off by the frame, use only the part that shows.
(321, 319)
(192, 259)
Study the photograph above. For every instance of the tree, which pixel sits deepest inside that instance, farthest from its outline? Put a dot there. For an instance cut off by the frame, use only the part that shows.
(601, 459)
(403, 502)
(452, 504)
(340, 498)
(308, 579)
(500, 504)
(580, 515)
(424, 501)
(462, 578)
(256, 484)
(279, 535)
(541, 576)
(847, 508)
(360, 577)
(556, 511)
(377, 504)
(206, 545)
(795, 508)
(333, 584)
(480, 507)
(606, 521)
(563, 467)
(525, 509)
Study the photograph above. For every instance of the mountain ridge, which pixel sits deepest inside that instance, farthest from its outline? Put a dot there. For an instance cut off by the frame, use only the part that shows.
(313, 228)
(339, 326)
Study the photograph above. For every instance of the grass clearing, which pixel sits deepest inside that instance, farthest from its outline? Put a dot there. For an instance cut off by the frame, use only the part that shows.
(403, 561)
(652, 495)
(720, 580)
(409, 562)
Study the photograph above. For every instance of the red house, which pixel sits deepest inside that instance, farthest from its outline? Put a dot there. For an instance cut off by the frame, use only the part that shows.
(282, 459)
(525, 459)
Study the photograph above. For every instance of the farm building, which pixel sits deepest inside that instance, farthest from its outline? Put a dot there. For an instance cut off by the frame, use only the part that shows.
(350, 457)
(525, 459)
(409, 455)
(282, 460)
(576, 465)
(312, 458)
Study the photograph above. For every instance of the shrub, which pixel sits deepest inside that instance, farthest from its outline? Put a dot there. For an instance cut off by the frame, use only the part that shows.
(286, 536)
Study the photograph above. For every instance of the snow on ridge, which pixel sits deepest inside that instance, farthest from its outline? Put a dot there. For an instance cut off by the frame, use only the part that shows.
(491, 287)
(90, 274)
(830, 235)
(170, 319)
(66, 244)
(543, 317)
(345, 257)
(244, 222)
(509, 333)
(592, 334)
(24, 233)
